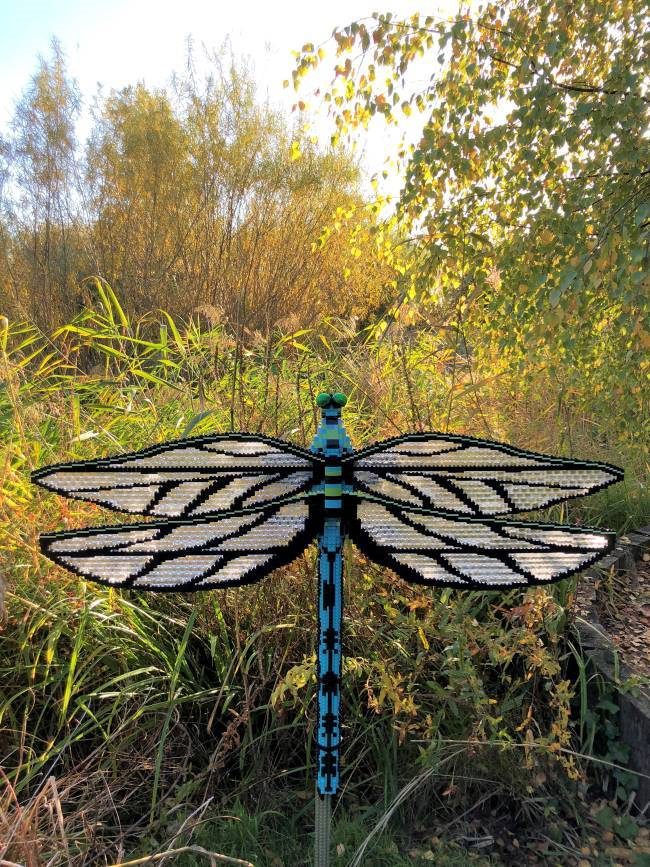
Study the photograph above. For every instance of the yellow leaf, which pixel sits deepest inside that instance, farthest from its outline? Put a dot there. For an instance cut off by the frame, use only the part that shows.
(546, 236)
(296, 153)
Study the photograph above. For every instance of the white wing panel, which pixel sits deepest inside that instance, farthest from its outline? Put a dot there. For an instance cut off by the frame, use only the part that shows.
(183, 555)
(445, 472)
(437, 549)
(189, 477)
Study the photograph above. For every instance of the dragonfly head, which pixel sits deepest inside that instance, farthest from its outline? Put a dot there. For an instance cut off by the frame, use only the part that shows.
(331, 402)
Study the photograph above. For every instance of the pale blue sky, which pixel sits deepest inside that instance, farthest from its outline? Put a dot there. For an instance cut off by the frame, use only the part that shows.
(118, 42)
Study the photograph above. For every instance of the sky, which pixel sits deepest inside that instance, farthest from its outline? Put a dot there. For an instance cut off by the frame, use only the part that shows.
(120, 42)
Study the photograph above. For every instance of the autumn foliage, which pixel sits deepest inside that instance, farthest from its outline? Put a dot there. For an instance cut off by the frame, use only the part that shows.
(193, 262)
(526, 185)
(185, 199)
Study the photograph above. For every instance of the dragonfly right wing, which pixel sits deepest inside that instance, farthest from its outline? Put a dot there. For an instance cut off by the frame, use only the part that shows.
(440, 550)
(467, 476)
(216, 551)
(191, 477)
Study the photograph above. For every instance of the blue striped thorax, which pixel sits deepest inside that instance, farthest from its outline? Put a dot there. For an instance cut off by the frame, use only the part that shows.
(332, 441)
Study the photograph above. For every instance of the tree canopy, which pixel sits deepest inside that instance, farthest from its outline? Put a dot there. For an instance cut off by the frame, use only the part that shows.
(525, 204)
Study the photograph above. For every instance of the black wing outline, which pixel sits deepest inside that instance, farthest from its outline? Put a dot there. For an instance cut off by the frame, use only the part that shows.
(441, 550)
(194, 476)
(134, 553)
(455, 474)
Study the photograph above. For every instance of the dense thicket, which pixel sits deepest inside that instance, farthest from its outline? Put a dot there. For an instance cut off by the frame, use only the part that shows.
(183, 199)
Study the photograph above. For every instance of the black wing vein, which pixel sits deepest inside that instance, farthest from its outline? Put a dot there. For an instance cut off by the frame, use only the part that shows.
(462, 475)
(442, 550)
(201, 475)
(216, 551)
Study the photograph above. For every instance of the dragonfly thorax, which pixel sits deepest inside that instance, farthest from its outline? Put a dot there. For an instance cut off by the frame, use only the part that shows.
(332, 442)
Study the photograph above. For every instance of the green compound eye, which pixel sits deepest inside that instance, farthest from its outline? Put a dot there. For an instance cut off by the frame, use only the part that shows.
(323, 399)
(339, 398)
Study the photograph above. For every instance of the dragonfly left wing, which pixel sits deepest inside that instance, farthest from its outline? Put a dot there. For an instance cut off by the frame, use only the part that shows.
(219, 551)
(441, 550)
(191, 477)
(467, 476)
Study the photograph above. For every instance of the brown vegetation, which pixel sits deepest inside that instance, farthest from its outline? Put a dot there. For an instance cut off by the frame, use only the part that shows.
(180, 199)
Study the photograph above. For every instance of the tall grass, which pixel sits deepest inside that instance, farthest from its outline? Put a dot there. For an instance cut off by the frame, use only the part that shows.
(130, 720)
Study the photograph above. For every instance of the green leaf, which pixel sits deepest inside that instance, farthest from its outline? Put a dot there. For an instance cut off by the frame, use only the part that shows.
(113, 299)
(605, 818)
(552, 47)
(568, 276)
(626, 828)
(642, 213)
(174, 696)
(174, 330)
(142, 374)
(538, 279)
(197, 419)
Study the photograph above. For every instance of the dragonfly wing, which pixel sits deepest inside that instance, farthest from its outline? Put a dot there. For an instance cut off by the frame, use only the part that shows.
(438, 549)
(186, 555)
(190, 477)
(458, 474)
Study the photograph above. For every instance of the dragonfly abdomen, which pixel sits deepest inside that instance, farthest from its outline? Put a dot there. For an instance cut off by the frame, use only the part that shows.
(331, 442)
(330, 612)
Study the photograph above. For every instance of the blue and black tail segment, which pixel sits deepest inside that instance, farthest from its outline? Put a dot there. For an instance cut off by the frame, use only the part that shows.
(330, 610)
(331, 441)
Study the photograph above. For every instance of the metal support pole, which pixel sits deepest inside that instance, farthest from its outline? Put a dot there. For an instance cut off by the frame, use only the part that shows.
(322, 825)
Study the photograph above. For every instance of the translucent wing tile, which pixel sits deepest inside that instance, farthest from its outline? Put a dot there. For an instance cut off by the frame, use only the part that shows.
(190, 477)
(462, 475)
(434, 548)
(186, 555)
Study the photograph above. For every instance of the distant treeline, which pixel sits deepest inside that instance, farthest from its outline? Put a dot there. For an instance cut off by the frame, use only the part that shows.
(190, 198)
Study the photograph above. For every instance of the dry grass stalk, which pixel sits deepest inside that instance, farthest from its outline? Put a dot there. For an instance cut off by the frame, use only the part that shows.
(214, 857)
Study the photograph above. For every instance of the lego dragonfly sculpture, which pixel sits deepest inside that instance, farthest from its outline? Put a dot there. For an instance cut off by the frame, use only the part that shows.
(229, 509)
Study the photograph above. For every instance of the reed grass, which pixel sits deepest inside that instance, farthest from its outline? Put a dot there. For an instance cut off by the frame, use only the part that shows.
(132, 723)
